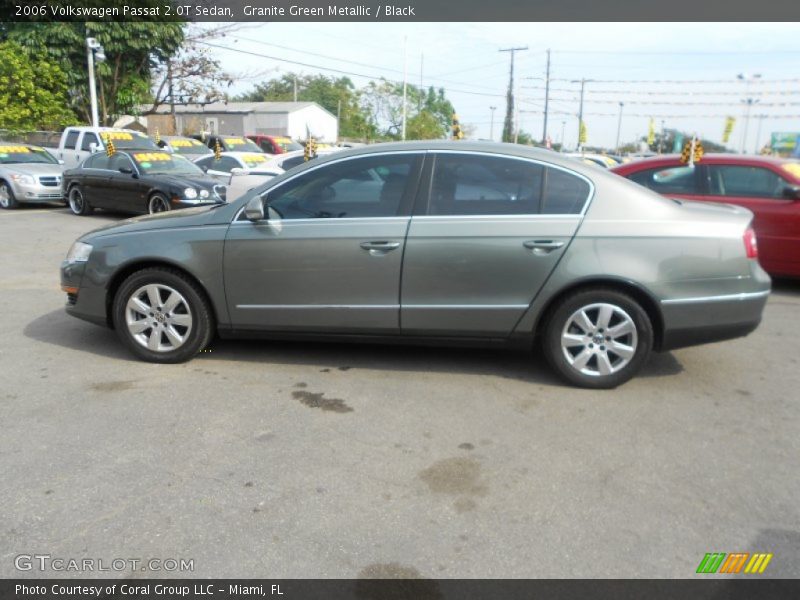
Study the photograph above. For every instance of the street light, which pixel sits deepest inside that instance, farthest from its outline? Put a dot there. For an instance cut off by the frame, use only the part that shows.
(583, 83)
(94, 50)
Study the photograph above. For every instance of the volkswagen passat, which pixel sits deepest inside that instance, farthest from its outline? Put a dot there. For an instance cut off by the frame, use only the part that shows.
(455, 242)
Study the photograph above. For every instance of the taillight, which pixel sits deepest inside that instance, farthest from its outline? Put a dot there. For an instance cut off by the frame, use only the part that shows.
(750, 244)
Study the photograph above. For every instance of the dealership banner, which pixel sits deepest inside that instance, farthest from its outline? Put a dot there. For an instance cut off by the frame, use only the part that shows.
(398, 10)
(707, 587)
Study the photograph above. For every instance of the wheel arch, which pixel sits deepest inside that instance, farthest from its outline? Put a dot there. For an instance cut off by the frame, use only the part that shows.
(130, 268)
(645, 299)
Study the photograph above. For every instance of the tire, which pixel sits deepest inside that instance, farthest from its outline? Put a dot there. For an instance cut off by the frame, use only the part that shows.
(77, 203)
(168, 334)
(7, 198)
(581, 350)
(157, 203)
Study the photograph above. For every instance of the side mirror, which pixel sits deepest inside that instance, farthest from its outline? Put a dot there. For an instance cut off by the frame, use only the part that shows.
(126, 170)
(254, 209)
(205, 168)
(792, 192)
(93, 147)
(236, 170)
(61, 162)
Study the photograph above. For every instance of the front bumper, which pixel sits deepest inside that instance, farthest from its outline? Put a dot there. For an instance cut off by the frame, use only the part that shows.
(38, 192)
(84, 300)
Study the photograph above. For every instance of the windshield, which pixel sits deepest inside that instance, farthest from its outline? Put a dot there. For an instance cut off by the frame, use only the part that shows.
(188, 146)
(25, 154)
(253, 160)
(287, 144)
(793, 168)
(240, 144)
(128, 139)
(161, 163)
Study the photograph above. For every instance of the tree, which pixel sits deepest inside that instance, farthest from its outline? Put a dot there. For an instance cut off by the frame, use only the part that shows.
(33, 92)
(508, 123)
(134, 50)
(383, 102)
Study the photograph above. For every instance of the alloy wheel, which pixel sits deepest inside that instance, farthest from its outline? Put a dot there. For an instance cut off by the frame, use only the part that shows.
(599, 339)
(158, 317)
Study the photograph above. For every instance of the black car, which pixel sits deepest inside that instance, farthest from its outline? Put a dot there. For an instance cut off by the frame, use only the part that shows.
(139, 181)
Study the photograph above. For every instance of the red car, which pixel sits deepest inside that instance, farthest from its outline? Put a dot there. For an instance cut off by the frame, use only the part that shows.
(770, 187)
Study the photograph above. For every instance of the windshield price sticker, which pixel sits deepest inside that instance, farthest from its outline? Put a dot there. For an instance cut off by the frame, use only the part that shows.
(254, 159)
(793, 168)
(235, 141)
(142, 157)
(14, 149)
(118, 135)
(180, 143)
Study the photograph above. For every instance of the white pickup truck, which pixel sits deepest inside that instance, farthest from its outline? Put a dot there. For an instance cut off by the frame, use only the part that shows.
(79, 142)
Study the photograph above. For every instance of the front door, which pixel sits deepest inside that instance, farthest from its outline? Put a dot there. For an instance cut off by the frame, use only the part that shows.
(481, 247)
(332, 261)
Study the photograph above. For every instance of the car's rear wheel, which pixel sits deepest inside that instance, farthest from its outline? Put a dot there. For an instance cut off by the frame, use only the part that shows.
(598, 338)
(7, 198)
(77, 203)
(162, 316)
(157, 204)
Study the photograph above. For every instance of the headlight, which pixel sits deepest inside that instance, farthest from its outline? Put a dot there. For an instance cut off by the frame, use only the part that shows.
(204, 193)
(79, 252)
(190, 193)
(24, 179)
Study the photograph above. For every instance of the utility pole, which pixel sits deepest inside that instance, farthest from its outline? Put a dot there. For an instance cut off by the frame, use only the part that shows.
(583, 83)
(758, 132)
(563, 127)
(748, 103)
(421, 63)
(295, 87)
(405, 82)
(508, 125)
(92, 46)
(546, 97)
(619, 125)
(491, 123)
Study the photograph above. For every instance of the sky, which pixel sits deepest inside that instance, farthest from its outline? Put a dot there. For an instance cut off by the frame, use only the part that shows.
(680, 75)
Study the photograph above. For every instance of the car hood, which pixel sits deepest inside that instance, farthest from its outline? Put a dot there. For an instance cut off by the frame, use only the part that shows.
(186, 217)
(201, 181)
(33, 168)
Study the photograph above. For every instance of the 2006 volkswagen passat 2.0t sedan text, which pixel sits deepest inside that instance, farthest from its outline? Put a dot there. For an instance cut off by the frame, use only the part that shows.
(449, 241)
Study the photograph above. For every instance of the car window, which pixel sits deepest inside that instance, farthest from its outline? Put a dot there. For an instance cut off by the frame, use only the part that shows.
(88, 139)
(72, 140)
(224, 164)
(356, 188)
(13, 154)
(564, 194)
(97, 161)
(204, 162)
(119, 161)
(129, 139)
(292, 162)
(741, 180)
(668, 180)
(485, 185)
(162, 163)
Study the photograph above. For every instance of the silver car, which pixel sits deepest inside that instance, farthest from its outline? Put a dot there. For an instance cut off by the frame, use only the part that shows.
(28, 174)
(456, 243)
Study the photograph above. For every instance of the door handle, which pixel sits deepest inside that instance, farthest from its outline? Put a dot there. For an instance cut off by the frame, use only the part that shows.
(379, 247)
(542, 246)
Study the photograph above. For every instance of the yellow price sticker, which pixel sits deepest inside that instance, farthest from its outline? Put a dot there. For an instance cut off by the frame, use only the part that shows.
(117, 135)
(151, 156)
(15, 149)
(180, 143)
(252, 160)
(235, 141)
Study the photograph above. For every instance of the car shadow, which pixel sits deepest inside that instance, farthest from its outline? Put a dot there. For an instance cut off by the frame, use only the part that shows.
(60, 329)
(786, 286)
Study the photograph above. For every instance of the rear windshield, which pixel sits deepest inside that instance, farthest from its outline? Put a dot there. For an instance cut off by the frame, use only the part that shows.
(157, 163)
(128, 139)
(25, 154)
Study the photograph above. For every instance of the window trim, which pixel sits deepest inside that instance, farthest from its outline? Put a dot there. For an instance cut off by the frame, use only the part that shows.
(422, 206)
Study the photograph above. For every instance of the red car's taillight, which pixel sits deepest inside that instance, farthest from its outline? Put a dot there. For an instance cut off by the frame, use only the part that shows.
(750, 244)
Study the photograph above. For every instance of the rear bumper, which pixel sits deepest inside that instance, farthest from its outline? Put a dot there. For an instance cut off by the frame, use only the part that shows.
(692, 321)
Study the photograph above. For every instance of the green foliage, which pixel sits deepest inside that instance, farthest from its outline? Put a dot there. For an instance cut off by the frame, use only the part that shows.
(133, 50)
(33, 92)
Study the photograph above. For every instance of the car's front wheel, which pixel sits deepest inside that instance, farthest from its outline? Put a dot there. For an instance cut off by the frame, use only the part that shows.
(162, 316)
(598, 338)
(7, 198)
(77, 203)
(157, 204)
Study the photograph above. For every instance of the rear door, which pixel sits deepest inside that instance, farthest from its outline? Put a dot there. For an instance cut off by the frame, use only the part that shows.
(776, 217)
(332, 262)
(483, 240)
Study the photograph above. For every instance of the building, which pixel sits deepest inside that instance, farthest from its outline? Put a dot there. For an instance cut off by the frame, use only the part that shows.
(297, 120)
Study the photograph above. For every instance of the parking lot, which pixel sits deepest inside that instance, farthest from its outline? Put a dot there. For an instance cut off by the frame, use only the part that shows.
(328, 460)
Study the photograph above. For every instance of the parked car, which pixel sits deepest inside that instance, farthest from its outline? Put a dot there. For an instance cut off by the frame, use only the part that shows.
(289, 160)
(139, 181)
(240, 171)
(185, 146)
(28, 174)
(274, 144)
(601, 160)
(229, 143)
(77, 143)
(770, 187)
(452, 242)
